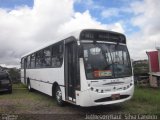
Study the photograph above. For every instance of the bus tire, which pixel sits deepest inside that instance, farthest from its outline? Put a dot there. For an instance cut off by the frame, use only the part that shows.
(58, 96)
(29, 86)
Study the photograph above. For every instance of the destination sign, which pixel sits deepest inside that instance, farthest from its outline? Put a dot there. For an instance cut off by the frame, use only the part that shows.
(100, 35)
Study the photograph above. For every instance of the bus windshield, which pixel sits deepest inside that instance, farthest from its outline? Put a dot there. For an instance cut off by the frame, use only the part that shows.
(103, 60)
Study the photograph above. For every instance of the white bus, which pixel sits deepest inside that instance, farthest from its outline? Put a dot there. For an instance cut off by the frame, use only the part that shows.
(87, 68)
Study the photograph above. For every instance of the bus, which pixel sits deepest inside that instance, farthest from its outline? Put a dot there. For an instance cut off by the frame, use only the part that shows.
(89, 67)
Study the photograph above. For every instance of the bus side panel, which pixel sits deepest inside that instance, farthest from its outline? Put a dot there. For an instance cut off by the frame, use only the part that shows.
(43, 79)
(42, 87)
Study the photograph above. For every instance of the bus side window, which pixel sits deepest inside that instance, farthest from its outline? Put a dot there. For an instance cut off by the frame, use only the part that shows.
(57, 55)
(22, 63)
(28, 62)
(47, 57)
(33, 60)
(60, 54)
(39, 59)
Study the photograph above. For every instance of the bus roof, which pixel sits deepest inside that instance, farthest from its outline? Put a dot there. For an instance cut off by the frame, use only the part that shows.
(74, 34)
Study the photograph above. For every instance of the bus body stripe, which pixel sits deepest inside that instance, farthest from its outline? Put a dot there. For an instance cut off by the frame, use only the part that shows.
(44, 81)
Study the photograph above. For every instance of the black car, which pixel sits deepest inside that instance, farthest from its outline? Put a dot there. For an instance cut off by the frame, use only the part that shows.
(5, 82)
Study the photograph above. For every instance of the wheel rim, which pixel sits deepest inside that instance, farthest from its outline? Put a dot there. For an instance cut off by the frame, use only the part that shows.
(59, 95)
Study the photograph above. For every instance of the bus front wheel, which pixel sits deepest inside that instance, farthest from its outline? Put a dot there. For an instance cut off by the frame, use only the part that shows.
(58, 96)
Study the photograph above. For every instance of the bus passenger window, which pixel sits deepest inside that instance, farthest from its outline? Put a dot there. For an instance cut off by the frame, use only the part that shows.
(28, 62)
(39, 58)
(22, 63)
(33, 61)
(57, 55)
(47, 57)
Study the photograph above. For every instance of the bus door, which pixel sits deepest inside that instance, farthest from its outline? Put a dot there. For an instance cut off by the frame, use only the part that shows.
(71, 70)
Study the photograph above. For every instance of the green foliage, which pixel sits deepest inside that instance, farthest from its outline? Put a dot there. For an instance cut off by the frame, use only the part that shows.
(140, 68)
(144, 101)
(14, 74)
(23, 100)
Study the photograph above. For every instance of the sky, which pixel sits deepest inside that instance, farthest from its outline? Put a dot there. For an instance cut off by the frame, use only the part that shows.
(28, 24)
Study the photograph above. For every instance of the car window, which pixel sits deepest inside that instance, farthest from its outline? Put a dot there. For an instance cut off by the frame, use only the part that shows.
(4, 75)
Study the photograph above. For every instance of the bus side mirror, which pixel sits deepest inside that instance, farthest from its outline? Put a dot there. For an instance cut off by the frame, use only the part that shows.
(80, 51)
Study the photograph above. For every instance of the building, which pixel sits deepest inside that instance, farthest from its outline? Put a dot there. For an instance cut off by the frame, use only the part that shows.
(154, 67)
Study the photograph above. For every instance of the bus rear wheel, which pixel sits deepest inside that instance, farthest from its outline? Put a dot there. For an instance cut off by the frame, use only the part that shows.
(58, 96)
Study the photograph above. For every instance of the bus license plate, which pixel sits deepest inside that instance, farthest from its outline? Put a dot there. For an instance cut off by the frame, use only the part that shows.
(115, 96)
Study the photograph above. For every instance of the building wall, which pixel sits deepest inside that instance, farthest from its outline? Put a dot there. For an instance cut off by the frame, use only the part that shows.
(153, 61)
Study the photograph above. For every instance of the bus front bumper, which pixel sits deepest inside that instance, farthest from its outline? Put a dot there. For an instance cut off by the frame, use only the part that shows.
(91, 98)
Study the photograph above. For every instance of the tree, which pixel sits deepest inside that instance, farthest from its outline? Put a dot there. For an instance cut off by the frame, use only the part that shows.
(14, 74)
